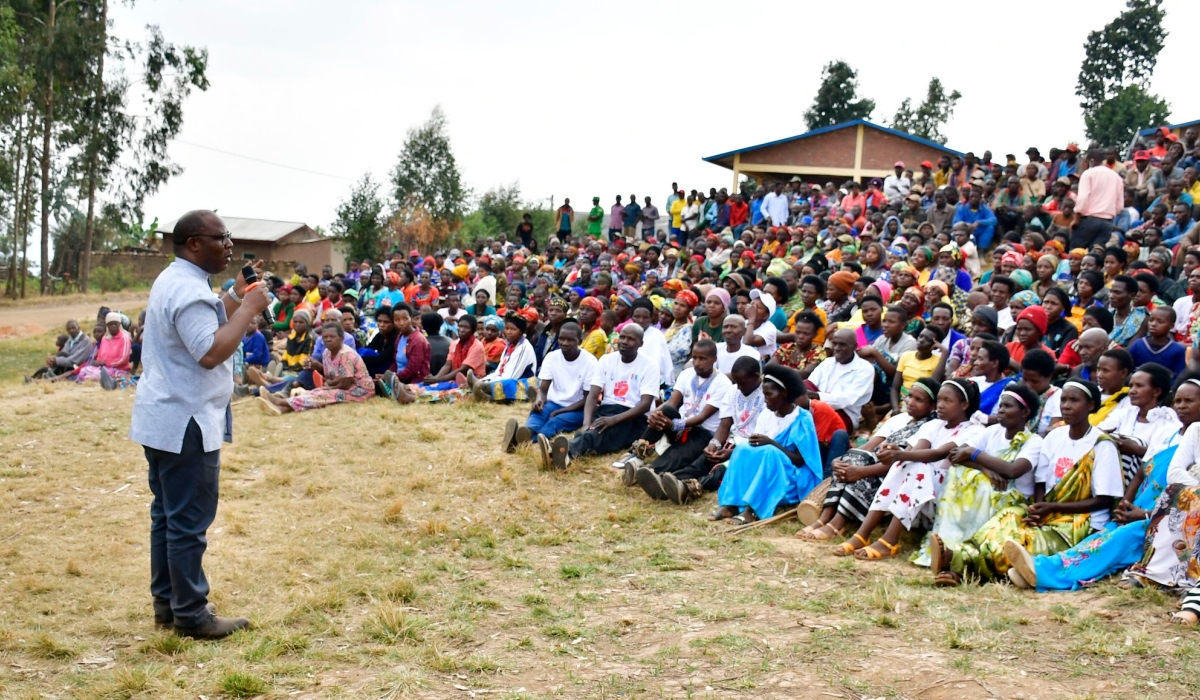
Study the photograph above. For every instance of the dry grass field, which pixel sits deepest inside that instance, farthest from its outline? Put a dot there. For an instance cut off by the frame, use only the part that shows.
(393, 552)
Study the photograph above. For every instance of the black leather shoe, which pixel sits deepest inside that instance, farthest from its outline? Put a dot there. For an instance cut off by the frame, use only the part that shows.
(163, 617)
(213, 628)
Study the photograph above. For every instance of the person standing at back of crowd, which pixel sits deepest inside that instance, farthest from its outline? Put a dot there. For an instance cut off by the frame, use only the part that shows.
(1101, 197)
(616, 219)
(649, 220)
(564, 219)
(633, 217)
(595, 218)
(181, 414)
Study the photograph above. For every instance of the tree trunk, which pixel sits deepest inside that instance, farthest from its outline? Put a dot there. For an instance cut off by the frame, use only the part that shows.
(85, 261)
(47, 128)
(27, 210)
(10, 284)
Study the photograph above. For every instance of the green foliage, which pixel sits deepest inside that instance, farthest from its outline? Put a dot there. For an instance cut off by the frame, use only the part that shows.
(837, 99)
(427, 175)
(360, 221)
(1117, 58)
(170, 73)
(1115, 120)
(113, 278)
(926, 121)
(499, 210)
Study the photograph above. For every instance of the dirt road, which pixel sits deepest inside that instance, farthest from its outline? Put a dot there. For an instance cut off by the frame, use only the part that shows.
(35, 319)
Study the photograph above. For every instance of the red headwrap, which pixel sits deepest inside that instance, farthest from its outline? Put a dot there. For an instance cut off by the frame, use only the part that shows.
(688, 297)
(592, 303)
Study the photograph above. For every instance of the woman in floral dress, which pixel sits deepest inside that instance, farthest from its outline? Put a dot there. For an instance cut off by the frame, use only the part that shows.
(345, 378)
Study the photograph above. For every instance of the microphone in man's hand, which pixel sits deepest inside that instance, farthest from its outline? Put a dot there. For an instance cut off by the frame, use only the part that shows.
(251, 277)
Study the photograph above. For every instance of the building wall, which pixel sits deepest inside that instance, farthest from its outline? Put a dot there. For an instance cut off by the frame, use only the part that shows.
(144, 267)
(881, 151)
(831, 150)
(314, 255)
(252, 250)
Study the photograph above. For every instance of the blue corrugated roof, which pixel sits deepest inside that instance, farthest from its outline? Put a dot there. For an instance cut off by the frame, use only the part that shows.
(1172, 127)
(835, 127)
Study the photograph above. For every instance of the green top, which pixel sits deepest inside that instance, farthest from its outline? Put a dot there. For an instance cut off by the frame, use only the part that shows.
(594, 226)
(701, 329)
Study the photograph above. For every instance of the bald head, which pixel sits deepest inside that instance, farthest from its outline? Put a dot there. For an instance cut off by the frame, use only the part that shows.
(1092, 342)
(844, 343)
(633, 330)
(195, 223)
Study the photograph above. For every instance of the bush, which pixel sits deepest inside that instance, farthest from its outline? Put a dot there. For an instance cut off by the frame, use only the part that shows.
(113, 279)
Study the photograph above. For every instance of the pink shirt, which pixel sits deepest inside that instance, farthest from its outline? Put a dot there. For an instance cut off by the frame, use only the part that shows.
(1101, 193)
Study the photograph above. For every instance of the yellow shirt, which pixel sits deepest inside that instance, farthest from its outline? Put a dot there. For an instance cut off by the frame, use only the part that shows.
(1195, 191)
(677, 213)
(911, 368)
(596, 342)
(941, 179)
(313, 297)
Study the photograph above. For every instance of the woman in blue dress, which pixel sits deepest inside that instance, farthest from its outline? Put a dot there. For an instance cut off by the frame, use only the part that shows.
(782, 461)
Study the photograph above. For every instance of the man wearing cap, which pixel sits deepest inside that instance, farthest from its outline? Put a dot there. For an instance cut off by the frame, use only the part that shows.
(1140, 179)
(1035, 159)
(1068, 164)
(926, 176)
(595, 218)
(181, 414)
(896, 187)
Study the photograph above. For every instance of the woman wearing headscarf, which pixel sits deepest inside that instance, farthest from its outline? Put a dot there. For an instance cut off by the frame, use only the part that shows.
(950, 256)
(493, 344)
(110, 364)
(679, 334)
(514, 378)
(716, 307)
(903, 277)
(922, 260)
(595, 340)
(289, 298)
(913, 302)
(838, 304)
(1028, 332)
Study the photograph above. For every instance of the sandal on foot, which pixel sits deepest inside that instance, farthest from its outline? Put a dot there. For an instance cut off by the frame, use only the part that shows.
(847, 548)
(937, 554)
(947, 579)
(1179, 618)
(738, 520)
(719, 514)
(872, 554)
(1021, 560)
(819, 534)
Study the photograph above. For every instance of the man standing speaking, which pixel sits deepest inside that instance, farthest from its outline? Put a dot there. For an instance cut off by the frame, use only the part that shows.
(181, 414)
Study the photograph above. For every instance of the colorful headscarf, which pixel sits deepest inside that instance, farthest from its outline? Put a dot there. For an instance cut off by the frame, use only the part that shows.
(905, 267)
(925, 252)
(955, 253)
(675, 285)
(843, 281)
(558, 303)
(592, 303)
(939, 285)
(1013, 257)
(1077, 254)
(493, 321)
(688, 297)
(1027, 298)
(1022, 278)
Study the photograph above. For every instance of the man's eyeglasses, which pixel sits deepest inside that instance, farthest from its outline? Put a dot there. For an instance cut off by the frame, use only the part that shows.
(225, 237)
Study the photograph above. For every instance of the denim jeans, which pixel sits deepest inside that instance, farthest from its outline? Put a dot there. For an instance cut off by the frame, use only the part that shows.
(185, 488)
(542, 424)
(839, 445)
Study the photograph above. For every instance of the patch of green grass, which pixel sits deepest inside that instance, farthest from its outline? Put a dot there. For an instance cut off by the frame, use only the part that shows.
(166, 644)
(237, 684)
(574, 571)
(21, 356)
(47, 646)
(391, 625)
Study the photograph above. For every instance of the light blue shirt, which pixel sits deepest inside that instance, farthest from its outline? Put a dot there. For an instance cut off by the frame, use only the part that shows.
(182, 318)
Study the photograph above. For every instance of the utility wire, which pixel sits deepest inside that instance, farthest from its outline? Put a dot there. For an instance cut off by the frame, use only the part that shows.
(260, 160)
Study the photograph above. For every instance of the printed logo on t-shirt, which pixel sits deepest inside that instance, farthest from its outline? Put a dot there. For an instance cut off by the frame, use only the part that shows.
(1062, 466)
(621, 389)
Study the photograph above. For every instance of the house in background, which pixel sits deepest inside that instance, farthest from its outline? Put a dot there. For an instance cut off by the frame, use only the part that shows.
(854, 150)
(281, 244)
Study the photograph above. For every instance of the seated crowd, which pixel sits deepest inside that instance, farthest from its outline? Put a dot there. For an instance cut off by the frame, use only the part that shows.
(1037, 422)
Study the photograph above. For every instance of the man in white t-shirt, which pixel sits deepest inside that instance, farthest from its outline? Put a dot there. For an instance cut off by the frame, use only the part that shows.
(687, 421)
(563, 383)
(654, 342)
(845, 381)
(734, 330)
(629, 383)
(738, 414)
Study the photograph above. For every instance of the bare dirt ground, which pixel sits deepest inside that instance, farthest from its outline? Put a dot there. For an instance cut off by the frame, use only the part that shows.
(25, 319)
(393, 552)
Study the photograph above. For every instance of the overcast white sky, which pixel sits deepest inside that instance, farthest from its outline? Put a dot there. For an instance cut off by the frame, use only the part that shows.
(580, 99)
